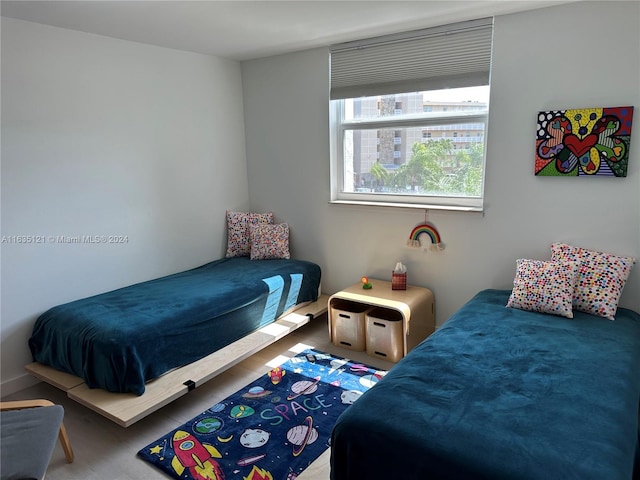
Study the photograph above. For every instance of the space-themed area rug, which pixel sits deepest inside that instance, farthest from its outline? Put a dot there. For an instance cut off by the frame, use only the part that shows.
(272, 429)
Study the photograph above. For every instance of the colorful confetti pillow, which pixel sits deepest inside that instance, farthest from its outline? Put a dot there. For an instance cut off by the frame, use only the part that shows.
(269, 241)
(238, 242)
(545, 287)
(601, 278)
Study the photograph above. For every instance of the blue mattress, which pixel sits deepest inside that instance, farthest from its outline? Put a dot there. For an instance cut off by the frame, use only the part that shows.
(121, 339)
(500, 393)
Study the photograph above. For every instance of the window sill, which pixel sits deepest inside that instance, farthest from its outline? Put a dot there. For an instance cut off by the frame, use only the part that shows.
(419, 206)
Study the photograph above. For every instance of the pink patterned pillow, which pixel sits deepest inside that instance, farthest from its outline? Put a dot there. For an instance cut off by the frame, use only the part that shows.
(269, 241)
(601, 278)
(238, 244)
(545, 287)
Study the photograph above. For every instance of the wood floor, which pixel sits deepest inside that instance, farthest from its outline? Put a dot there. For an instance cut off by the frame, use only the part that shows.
(106, 451)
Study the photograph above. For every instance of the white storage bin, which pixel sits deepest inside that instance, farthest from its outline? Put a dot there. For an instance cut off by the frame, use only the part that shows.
(384, 334)
(347, 324)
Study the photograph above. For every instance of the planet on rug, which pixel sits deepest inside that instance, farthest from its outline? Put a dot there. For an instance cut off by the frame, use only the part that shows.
(272, 429)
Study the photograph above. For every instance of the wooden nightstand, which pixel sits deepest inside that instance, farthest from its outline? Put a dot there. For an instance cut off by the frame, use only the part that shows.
(415, 307)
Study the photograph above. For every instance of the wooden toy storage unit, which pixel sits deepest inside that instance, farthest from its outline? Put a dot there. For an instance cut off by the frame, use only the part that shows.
(386, 323)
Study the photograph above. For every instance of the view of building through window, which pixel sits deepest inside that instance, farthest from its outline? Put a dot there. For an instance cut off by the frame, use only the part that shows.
(421, 143)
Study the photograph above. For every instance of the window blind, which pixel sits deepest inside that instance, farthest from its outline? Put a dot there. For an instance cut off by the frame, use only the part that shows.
(450, 56)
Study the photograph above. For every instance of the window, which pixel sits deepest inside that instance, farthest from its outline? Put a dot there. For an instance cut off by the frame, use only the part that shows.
(395, 144)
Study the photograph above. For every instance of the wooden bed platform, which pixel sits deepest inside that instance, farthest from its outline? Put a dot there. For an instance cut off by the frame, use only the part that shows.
(126, 408)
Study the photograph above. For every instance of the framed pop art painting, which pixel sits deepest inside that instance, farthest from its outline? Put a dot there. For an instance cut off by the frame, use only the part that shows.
(583, 142)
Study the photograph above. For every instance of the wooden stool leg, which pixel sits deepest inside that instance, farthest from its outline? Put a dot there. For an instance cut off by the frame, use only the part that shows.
(66, 444)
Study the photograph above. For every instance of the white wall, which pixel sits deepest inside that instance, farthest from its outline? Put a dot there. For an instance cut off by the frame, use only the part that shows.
(107, 137)
(102, 136)
(561, 57)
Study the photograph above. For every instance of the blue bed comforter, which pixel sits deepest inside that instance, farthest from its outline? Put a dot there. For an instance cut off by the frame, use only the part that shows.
(120, 339)
(500, 393)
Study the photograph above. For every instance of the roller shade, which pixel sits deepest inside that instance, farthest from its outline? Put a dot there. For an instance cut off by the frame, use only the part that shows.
(456, 55)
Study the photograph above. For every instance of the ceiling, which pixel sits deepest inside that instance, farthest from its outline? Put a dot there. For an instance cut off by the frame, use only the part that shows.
(243, 30)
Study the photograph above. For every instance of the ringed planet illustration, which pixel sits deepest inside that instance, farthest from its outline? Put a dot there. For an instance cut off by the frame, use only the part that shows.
(303, 387)
(302, 435)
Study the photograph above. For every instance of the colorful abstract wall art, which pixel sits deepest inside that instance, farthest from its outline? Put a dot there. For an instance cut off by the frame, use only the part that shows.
(586, 141)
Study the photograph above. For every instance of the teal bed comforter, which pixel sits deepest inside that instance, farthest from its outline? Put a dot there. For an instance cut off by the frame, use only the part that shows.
(121, 339)
(499, 393)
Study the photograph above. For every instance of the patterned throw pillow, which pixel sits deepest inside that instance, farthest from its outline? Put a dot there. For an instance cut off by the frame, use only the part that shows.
(238, 243)
(601, 278)
(545, 287)
(269, 241)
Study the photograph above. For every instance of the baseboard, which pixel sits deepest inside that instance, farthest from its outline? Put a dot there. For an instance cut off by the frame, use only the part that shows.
(14, 385)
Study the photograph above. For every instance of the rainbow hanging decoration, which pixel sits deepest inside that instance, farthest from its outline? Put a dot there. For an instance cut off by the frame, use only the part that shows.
(431, 231)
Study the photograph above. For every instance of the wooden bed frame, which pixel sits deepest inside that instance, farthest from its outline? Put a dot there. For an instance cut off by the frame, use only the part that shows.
(126, 408)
